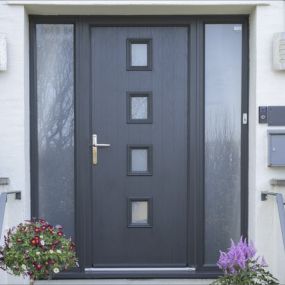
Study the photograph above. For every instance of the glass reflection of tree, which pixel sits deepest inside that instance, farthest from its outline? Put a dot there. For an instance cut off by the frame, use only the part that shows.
(222, 180)
(55, 79)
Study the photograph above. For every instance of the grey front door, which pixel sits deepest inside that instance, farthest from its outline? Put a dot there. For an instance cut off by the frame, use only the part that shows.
(139, 183)
(169, 94)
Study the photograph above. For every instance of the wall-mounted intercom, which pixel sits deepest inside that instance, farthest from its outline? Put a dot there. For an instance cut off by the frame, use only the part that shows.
(272, 115)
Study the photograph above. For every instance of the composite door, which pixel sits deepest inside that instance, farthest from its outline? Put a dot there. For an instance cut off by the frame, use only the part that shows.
(139, 174)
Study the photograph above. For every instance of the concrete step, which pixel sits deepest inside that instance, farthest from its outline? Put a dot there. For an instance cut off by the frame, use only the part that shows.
(127, 282)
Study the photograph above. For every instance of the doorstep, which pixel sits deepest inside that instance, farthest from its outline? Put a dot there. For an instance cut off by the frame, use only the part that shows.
(127, 282)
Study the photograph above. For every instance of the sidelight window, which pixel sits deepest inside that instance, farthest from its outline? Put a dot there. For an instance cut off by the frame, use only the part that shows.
(55, 124)
(223, 70)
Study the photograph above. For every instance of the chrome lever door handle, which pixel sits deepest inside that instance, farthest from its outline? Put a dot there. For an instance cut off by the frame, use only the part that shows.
(102, 145)
(95, 144)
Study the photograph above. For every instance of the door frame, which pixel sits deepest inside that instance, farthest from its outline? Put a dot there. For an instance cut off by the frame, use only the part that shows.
(82, 71)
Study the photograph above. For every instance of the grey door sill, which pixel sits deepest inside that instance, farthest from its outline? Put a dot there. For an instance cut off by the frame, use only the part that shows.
(128, 282)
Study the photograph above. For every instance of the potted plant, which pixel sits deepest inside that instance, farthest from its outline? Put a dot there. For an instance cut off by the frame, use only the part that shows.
(37, 250)
(241, 266)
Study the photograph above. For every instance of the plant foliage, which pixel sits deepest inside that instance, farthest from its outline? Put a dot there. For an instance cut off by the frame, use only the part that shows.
(241, 266)
(37, 249)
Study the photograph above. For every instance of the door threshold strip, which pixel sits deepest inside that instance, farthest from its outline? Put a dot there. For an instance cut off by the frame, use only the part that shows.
(153, 269)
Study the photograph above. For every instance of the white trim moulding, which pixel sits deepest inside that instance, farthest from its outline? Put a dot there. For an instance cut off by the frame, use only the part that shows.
(141, 2)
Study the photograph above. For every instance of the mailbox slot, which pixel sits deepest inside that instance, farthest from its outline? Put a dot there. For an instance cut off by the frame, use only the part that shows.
(276, 148)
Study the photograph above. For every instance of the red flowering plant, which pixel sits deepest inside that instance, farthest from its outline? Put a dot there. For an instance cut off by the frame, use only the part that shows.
(37, 250)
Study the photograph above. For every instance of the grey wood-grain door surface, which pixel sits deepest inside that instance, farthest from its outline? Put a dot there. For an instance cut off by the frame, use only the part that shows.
(162, 242)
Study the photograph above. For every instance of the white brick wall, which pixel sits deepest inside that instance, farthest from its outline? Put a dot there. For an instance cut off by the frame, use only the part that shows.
(267, 87)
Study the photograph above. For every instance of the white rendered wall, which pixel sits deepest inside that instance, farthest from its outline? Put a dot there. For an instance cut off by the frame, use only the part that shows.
(14, 130)
(267, 87)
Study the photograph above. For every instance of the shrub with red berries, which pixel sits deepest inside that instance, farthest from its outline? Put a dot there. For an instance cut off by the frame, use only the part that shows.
(38, 250)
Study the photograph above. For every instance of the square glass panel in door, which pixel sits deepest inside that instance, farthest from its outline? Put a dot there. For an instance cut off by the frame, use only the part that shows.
(139, 54)
(223, 93)
(139, 212)
(139, 159)
(139, 107)
(126, 169)
(55, 124)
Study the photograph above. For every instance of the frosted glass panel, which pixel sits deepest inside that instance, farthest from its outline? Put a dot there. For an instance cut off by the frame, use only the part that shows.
(223, 59)
(139, 212)
(139, 108)
(139, 54)
(139, 160)
(55, 81)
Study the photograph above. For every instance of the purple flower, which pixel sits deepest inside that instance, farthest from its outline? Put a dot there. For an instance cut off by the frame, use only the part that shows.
(238, 257)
